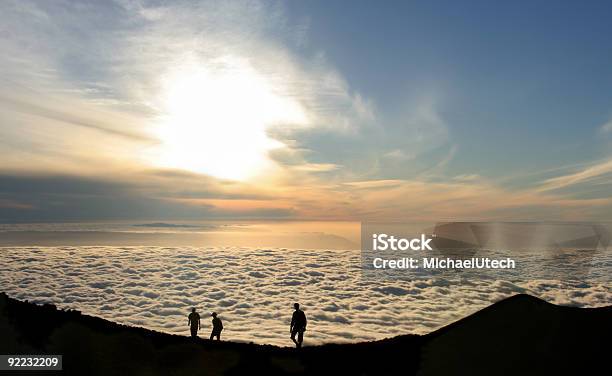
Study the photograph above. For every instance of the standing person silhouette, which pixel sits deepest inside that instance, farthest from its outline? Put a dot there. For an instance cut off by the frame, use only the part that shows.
(298, 325)
(194, 322)
(217, 327)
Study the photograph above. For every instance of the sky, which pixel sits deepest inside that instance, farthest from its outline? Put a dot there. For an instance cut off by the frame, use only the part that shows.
(305, 110)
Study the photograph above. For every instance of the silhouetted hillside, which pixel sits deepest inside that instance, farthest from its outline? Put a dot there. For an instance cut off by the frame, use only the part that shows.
(519, 335)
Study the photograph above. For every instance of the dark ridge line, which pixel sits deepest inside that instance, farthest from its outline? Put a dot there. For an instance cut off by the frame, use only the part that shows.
(158, 337)
(514, 299)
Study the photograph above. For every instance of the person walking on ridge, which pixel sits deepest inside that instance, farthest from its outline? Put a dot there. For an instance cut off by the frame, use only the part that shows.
(194, 322)
(298, 325)
(217, 327)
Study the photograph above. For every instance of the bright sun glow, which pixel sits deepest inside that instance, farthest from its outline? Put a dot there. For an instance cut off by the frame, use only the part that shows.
(216, 118)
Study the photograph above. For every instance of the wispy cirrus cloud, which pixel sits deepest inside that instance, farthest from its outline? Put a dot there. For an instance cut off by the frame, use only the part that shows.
(108, 65)
(589, 174)
(85, 90)
(606, 127)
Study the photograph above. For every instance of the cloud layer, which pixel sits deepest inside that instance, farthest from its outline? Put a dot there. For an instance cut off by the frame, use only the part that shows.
(253, 290)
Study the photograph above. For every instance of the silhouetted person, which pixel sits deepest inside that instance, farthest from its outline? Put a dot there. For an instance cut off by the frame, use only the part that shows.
(298, 325)
(194, 322)
(217, 327)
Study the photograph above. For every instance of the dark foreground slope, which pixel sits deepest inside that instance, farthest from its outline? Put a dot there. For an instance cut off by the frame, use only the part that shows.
(519, 335)
(522, 335)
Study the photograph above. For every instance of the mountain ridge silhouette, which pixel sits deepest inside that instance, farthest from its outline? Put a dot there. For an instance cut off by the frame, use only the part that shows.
(518, 335)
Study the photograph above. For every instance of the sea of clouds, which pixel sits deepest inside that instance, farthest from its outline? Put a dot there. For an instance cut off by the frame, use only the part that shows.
(253, 290)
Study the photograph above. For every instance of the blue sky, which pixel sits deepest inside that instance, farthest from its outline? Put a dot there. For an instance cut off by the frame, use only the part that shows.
(526, 84)
(306, 109)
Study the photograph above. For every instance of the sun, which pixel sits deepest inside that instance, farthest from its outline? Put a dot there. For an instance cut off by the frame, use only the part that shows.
(215, 119)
